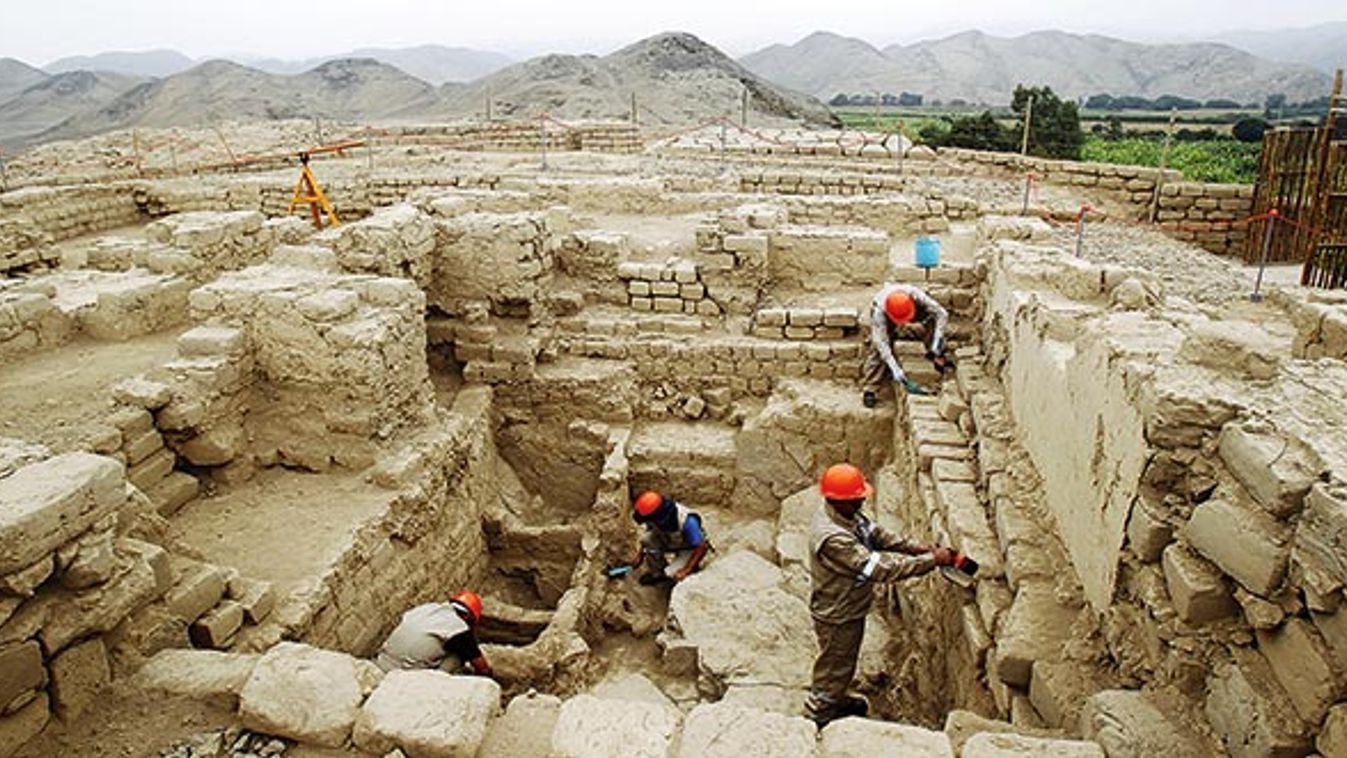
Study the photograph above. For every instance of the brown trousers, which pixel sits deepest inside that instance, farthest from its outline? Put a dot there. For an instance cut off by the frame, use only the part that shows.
(875, 373)
(839, 647)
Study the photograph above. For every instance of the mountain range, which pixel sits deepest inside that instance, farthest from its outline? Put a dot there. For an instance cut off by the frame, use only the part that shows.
(1323, 46)
(978, 67)
(676, 78)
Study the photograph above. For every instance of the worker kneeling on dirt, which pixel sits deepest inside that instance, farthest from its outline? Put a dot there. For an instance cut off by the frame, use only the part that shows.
(437, 635)
(898, 305)
(669, 528)
(848, 554)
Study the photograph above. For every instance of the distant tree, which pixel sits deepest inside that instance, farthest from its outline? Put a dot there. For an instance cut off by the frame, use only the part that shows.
(1222, 103)
(1249, 129)
(1054, 128)
(936, 103)
(1100, 102)
(1197, 135)
(1171, 102)
(1132, 103)
(1114, 130)
(958, 102)
(889, 99)
(981, 132)
(908, 99)
(1273, 106)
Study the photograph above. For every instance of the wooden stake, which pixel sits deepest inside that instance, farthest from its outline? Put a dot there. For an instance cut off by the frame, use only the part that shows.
(1028, 118)
(1164, 163)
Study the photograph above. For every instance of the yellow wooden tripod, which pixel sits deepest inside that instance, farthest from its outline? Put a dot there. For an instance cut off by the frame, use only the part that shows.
(308, 192)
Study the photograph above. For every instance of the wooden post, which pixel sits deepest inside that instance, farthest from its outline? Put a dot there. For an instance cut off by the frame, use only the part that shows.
(220, 133)
(488, 103)
(1164, 163)
(634, 118)
(743, 109)
(135, 151)
(1028, 118)
(1319, 205)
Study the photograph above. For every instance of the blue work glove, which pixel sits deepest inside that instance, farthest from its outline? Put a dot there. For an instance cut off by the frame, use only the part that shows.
(913, 388)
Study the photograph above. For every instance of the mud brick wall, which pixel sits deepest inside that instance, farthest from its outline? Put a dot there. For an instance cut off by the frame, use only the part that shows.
(1212, 216)
(674, 286)
(31, 321)
(1320, 318)
(342, 359)
(69, 576)
(395, 241)
(521, 136)
(37, 216)
(425, 545)
(1199, 491)
(504, 259)
(202, 244)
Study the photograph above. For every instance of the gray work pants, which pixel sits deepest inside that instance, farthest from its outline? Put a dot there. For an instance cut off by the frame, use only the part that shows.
(839, 648)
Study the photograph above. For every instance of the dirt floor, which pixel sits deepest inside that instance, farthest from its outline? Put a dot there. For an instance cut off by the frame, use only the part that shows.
(238, 527)
(657, 237)
(54, 396)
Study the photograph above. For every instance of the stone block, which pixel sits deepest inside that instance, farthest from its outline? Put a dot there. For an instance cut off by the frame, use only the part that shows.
(89, 561)
(302, 693)
(210, 341)
(1148, 531)
(864, 738)
(1250, 712)
(1197, 589)
(1277, 471)
(207, 675)
(1036, 628)
(525, 730)
(199, 588)
(142, 393)
(952, 406)
(1319, 547)
(77, 674)
(147, 474)
(153, 556)
(21, 670)
(1059, 689)
(46, 504)
(721, 730)
(427, 713)
(22, 726)
(993, 745)
(1129, 724)
(139, 448)
(215, 446)
(591, 727)
(255, 596)
(173, 492)
(1245, 541)
(1305, 666)
(1332, 740)
(216, 627)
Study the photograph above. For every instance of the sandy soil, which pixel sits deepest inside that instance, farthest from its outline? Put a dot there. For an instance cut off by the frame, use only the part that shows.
(238, 527)
(54, 396)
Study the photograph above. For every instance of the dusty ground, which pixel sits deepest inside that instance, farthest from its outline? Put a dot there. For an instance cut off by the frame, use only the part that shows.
(54, 396)
(238, 527)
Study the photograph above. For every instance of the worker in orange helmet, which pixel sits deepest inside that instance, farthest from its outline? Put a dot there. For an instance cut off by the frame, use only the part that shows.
(670, 527)
(848, 555)
(437, 635)
(897, 305)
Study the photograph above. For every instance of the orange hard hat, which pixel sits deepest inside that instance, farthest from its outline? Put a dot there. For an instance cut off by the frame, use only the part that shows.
(647, 503)
(900, 307)
(844, 481)
(469, 601)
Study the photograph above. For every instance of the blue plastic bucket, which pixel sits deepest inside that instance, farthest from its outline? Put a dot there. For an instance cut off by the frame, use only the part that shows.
(928, 252)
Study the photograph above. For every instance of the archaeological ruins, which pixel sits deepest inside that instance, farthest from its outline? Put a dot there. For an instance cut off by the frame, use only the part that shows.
(234, 448)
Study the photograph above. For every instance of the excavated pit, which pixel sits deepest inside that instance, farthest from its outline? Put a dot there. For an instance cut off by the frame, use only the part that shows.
(466, 385)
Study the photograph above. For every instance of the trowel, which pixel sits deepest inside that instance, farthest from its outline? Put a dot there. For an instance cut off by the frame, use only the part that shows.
(613, 572)
(963, 572)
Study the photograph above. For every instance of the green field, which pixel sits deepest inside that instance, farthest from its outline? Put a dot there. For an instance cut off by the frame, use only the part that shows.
(1225, 161)
(1210, 161)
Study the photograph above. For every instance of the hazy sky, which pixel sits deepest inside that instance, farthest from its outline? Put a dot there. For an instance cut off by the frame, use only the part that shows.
(39, 31)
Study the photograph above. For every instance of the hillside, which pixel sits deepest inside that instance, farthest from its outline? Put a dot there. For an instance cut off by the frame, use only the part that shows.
(144, 64)
(1323, 46)
(17, 76)
(352, 90)
(436, 64)
(677, 78)
(55, 99)
(982, 68)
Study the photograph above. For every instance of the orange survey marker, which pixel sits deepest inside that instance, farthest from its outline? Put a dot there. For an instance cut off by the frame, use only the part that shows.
(309, 192)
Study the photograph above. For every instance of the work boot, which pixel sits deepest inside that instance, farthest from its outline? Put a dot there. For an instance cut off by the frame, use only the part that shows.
(868, 399)
(651, 579)
(855, 706)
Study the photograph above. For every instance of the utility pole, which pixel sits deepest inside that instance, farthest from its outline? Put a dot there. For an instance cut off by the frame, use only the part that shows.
(1028, 119)
(1164, 163)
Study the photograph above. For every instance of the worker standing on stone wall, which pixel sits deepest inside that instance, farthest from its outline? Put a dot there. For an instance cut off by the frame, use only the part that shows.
(437, 635)
(898, 305)
(848, 555)
(670, 528)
